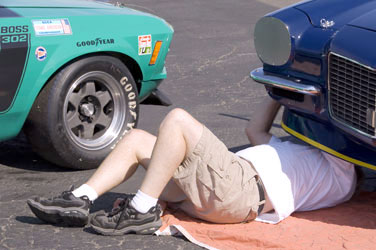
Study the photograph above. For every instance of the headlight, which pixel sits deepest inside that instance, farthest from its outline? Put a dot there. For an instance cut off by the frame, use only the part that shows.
(272, 41)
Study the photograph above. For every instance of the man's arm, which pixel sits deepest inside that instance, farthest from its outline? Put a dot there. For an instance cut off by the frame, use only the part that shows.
(258, 127)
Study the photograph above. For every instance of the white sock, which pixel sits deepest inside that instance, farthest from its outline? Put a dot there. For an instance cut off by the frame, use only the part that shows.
(143, 202)
(85, 190)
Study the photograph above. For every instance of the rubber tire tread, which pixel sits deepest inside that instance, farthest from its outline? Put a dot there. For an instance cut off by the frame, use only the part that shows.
(44, 131)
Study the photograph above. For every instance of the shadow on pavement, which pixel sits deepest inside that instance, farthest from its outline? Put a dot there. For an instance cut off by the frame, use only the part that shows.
(29, 220)
(17, 154)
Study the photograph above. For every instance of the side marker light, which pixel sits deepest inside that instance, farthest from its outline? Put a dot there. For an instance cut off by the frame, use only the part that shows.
(155, 54)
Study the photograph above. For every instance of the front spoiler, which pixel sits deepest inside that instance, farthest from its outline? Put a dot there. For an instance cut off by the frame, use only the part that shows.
(157, 97)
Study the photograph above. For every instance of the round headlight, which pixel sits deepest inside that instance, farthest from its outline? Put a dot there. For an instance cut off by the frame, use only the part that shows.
(272, 41)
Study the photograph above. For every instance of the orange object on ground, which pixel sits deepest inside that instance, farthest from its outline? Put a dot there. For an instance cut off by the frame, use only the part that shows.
(351, 225)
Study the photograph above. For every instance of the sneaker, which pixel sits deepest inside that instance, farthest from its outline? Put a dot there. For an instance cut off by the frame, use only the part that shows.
(65, 208)
(125, 219)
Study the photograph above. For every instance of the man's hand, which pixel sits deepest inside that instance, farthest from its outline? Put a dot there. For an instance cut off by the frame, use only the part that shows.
(259, 126)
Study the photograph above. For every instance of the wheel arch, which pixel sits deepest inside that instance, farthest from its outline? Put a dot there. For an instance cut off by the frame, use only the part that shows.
(128, 61)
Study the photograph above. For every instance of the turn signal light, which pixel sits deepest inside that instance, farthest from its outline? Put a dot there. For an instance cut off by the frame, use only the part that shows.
(156, 50)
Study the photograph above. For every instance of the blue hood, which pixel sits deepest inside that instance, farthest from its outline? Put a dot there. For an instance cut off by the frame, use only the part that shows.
(359, 13)
(90, 4)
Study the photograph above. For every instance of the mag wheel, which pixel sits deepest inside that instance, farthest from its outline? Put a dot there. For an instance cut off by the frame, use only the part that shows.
(93, 112)
(83, 112)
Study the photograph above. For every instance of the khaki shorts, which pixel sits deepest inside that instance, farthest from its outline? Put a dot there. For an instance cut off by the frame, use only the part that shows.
(214, 184)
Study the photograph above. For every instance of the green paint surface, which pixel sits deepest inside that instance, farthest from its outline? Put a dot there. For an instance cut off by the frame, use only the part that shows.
(96, 28)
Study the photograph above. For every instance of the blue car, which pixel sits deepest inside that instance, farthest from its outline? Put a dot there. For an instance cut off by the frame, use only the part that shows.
(319, 61)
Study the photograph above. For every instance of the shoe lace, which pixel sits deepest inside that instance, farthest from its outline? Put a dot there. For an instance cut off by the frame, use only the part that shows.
(119, 208)
(117, 213)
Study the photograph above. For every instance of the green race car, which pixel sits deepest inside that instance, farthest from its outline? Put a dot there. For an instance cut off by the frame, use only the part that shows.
(73, 72)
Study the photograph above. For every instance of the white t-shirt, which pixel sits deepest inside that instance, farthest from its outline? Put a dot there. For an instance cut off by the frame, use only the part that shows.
(299, 177)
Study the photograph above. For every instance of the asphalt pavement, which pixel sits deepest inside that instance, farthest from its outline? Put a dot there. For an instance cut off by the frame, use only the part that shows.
(208, 67)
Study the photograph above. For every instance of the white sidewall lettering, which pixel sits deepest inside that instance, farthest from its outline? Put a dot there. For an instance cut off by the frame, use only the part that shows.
(132, 105)
(123, 80)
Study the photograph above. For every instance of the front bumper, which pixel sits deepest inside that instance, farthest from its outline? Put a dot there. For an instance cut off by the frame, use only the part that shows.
(306, 118)
(287, 83)
(297, 94)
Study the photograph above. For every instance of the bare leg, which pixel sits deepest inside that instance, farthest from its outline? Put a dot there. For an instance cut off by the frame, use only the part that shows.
(178, 135)
(134, 149)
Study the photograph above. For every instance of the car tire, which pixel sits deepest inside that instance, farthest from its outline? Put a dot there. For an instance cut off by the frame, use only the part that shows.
(83, 112)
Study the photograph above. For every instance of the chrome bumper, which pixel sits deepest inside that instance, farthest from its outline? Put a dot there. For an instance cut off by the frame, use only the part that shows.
(287, 83)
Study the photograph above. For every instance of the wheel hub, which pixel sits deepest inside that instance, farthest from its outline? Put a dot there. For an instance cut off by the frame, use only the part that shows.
(87, 109)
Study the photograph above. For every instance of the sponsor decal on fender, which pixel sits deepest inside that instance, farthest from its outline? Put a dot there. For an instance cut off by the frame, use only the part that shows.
(52, 27)
(96, 42)
(41, 53)
(144, 45)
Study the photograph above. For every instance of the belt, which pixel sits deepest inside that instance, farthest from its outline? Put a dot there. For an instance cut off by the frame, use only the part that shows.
(261, 194)
(251, 214)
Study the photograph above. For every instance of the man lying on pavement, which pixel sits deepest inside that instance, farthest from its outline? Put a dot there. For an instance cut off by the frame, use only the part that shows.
(189, 167)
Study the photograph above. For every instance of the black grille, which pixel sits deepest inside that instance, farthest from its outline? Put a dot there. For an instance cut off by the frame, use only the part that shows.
(352, 93)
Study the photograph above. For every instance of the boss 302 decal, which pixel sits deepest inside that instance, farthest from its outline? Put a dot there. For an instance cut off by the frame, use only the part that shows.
(14, 52)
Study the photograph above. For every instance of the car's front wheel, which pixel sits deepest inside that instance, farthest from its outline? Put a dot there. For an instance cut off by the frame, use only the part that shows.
(83, 112)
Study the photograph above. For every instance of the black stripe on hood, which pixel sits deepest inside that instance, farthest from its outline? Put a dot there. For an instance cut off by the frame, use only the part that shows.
(5, 12)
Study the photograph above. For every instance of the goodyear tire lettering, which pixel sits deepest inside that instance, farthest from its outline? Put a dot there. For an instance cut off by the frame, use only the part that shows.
(133, 114)
(128, 87)
(130, 125)
(132, 96)
(123, 81)
(132, 105)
